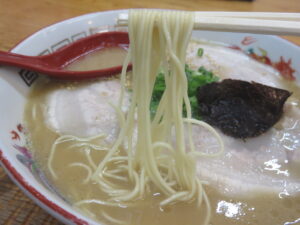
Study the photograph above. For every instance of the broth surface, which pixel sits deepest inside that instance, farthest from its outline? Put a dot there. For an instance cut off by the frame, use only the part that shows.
(230, 205)
(99, 59)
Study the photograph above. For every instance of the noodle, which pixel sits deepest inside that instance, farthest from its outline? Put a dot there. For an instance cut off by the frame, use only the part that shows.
(159, 157)
(89, 170)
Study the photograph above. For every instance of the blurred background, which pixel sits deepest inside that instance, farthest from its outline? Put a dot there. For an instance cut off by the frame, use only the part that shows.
(21, 18)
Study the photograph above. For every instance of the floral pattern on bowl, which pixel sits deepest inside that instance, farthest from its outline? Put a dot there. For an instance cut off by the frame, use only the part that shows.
(18, 137)
(282, 65)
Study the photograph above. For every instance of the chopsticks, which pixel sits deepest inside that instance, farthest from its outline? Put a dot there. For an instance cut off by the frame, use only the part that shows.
(257, 15)
(246, 22)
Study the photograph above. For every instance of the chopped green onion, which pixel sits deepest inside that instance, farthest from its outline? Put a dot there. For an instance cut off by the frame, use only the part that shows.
(195, 78)
(200, 52)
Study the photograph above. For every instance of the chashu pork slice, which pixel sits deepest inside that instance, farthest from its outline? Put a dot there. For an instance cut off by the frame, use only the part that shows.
(86, 110)
(268, 163)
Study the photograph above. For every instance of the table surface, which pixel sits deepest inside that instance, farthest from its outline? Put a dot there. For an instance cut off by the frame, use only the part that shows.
(19, 19)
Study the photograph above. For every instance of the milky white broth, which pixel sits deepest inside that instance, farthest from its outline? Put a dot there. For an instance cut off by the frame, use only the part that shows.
(99, 59)
(254, 182)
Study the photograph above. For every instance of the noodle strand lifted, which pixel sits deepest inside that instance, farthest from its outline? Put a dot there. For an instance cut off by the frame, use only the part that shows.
(158, 42)
(152, 153)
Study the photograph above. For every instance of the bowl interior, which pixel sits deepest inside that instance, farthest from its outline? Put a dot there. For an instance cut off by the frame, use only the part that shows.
(15, 84)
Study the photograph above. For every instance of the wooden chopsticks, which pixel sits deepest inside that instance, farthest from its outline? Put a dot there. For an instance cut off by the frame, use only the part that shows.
(246, 22)
(254, 15)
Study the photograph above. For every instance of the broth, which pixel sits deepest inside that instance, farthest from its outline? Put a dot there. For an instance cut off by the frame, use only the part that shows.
(99, 59)
(261, 208)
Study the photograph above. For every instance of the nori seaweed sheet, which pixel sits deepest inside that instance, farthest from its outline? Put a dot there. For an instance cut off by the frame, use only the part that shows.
(239, 108)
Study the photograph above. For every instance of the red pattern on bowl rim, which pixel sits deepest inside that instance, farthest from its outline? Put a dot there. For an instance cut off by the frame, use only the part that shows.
(43, 199)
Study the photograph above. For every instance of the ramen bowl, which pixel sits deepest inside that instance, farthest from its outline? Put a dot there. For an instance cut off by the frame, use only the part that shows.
(15, 84)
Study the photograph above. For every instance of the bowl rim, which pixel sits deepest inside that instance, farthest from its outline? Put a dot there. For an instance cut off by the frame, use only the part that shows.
(41, 200)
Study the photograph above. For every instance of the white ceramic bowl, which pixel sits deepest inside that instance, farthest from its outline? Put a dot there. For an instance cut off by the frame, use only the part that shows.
(15, 84)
